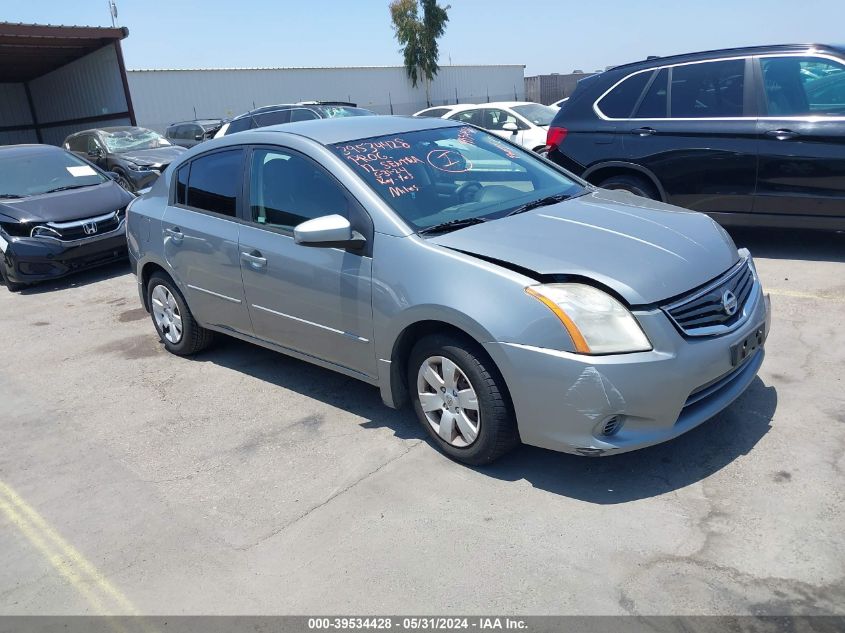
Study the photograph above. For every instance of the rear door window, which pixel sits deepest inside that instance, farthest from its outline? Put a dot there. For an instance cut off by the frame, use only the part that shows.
(275, 117)
(708, 90)
(620, 101)
(214, 182)
(239, 125)
(468, 116)
(803, 86)
(653, 105)
(78, 143)
(434, 113)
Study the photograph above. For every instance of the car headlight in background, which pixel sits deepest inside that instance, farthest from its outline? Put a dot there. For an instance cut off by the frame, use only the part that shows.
(135, 167)
(596, 322)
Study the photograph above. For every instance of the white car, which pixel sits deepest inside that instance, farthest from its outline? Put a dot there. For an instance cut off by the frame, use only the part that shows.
(521, 122)
(441, 112)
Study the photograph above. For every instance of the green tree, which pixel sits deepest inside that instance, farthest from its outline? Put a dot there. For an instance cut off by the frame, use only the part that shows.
(418, 37)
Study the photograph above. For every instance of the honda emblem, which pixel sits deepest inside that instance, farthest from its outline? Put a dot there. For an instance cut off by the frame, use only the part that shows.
(90, 228)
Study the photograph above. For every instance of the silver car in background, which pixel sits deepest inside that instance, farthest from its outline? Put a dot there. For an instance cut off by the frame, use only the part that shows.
(504, 298)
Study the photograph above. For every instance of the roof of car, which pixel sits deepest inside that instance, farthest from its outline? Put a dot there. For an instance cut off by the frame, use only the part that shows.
(339, 130)
(724, 52)
(199, 122)
(117, 128)
(28, 149)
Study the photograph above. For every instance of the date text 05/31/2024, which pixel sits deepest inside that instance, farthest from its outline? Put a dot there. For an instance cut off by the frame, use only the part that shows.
(417, 623)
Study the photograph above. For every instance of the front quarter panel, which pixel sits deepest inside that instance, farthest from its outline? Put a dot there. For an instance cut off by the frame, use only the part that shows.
(415, 280)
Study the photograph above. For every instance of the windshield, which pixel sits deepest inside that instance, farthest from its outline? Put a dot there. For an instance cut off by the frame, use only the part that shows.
(455, 173)
(133, 138)
(331, 112)
(536, 113)
(43, 172)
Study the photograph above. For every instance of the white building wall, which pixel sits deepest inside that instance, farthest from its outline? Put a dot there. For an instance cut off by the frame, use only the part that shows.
(161, 97)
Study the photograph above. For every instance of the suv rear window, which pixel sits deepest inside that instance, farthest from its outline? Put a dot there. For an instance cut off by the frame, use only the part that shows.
(620, 102)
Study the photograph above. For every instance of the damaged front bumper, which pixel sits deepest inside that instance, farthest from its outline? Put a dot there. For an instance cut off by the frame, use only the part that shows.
(568, 402)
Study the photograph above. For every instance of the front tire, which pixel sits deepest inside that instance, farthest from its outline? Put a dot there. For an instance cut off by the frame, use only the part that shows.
(172, 318)
(461, 400)
(124, 182)
(634, 184)
(11, 286)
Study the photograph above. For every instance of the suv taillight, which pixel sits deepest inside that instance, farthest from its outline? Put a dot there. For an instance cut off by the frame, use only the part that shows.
(555, 136)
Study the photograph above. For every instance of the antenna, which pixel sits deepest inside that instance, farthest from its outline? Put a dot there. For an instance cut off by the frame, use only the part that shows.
(113, 12)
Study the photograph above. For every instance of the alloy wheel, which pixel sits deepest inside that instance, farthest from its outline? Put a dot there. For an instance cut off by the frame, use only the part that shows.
(448, 401)
(166, 314)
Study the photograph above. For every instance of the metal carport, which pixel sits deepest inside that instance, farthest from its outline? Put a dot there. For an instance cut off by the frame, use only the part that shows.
(55, 80)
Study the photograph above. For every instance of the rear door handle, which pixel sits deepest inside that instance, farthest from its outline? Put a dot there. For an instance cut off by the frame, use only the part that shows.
(175, 234)
(255, 260)
(782, 134)
(644, 131)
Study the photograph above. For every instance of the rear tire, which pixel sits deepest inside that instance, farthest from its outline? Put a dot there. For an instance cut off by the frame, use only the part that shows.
(637, 185)
(172, 318)
(470, 435)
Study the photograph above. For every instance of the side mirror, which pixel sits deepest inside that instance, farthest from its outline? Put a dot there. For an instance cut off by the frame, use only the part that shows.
(113, 175)
(328, 231)
(511, 127)
(198, 137)
(95, 153)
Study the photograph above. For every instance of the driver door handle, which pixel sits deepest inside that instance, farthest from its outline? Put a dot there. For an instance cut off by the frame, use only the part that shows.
(644, 131)
(255, 260)
(783, 134)
(175, 234)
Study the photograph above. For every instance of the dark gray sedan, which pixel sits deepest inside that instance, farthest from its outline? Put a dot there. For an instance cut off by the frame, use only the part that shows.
(504, 298)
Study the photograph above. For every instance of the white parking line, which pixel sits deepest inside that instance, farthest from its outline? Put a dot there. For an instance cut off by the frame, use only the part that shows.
(822, 296)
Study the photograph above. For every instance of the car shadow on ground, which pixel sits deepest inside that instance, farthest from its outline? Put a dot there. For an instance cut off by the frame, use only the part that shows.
(609, 480)
(651, 471)
(822, 246)
(76, 280)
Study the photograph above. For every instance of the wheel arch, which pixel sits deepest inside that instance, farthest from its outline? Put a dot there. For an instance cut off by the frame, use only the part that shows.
(396, 393)
(145, 273)
(595, 174)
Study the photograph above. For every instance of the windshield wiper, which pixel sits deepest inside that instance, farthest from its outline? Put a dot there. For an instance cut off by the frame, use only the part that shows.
(451, 225)
(9, 196)
(542, 202)
(68, 187)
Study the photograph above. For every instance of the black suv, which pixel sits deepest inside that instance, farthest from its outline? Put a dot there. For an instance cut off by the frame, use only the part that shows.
(749, 136)
(291, 112)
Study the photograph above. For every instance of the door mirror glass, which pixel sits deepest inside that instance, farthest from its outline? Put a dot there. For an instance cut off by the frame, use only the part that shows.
(328, 230)
(95, 152)
(510, 126)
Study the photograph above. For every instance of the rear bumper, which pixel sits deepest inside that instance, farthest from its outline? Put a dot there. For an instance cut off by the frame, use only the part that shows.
(30, 260)
(563, 401)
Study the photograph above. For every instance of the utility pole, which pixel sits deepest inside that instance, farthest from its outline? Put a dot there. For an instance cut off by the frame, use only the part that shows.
(113, 12)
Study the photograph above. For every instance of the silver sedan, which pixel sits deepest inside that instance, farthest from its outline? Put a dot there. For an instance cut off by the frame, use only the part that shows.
(504, 298)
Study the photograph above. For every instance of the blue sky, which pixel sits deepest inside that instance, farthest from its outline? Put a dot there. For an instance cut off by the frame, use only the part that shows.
(546, 36)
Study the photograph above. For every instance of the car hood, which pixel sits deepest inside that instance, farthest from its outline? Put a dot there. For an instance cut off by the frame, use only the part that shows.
(64, 206)
(157, 156)
(646, 251)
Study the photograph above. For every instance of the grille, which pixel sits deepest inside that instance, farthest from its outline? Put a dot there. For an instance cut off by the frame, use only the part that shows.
(79, 229)
(704, 312)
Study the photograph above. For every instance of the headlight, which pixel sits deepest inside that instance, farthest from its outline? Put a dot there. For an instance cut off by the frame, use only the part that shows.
(16, 229)
(596, 322)
(135, 167)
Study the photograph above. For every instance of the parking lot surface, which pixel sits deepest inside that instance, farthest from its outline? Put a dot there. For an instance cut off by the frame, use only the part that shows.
(245, 482)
